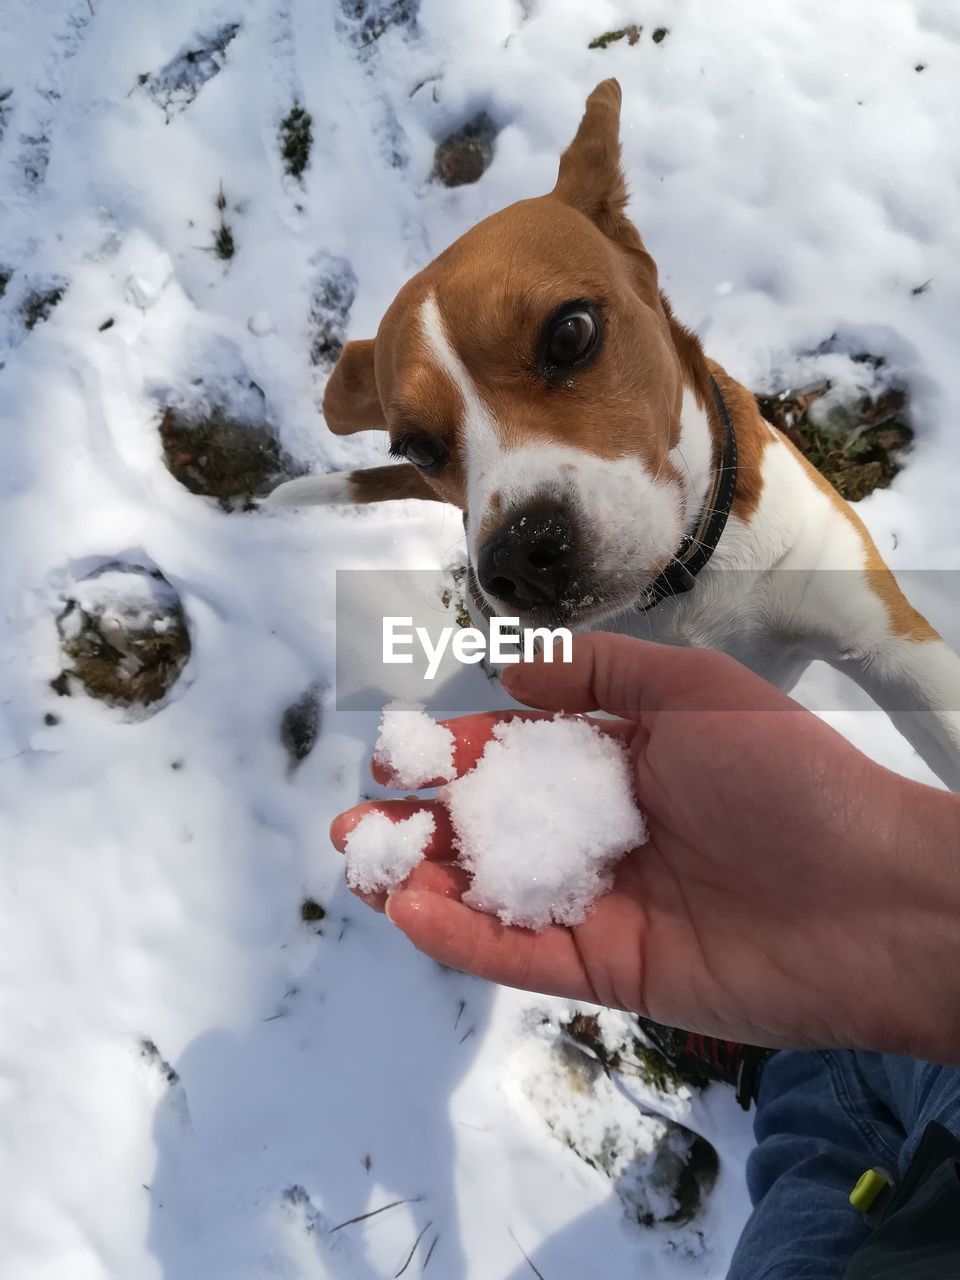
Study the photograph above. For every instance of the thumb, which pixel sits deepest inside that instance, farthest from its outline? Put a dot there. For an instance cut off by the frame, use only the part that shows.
(633, 678)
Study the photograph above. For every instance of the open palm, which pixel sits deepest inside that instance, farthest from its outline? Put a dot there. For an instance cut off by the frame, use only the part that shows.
(769, 904)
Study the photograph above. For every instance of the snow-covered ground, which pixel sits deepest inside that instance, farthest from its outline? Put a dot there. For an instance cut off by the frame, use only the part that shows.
(194, 1082)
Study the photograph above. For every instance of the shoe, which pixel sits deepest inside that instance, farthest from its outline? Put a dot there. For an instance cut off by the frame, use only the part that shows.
(702, 1060)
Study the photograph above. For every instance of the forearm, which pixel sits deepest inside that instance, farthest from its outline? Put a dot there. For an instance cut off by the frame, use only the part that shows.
(925, 924)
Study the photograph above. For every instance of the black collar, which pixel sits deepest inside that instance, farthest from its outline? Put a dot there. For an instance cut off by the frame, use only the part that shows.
(697, 547)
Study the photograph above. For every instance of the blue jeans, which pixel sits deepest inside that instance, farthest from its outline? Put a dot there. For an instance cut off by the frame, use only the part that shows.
(822, 1120)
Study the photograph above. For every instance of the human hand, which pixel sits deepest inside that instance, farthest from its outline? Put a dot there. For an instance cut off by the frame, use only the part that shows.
(791, 892)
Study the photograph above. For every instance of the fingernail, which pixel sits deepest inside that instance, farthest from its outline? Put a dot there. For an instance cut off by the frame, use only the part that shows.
(388, 910)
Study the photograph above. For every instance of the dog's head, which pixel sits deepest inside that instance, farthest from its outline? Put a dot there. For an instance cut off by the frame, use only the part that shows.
(534, 375)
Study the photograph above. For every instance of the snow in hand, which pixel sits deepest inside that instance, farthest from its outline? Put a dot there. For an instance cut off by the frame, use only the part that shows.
(540, 821)
(412, 747)
(381, 854)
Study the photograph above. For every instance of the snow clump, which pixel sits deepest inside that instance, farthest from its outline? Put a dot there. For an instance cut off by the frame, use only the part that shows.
(412, 747)
(539, 823)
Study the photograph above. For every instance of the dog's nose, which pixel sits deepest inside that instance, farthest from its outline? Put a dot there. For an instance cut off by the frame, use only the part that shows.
(527, 564)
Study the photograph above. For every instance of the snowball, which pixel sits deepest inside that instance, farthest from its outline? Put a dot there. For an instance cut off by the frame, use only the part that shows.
(381, 854)
(413, 747)
(542, 820)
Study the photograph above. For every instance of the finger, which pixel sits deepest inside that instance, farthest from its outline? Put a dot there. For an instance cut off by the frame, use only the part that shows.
(631, 678)
(440, 844)
(472, 733)
(432, 877)
(457, 936)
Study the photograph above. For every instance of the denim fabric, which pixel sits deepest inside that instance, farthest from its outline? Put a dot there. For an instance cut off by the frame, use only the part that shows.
(822, 1119)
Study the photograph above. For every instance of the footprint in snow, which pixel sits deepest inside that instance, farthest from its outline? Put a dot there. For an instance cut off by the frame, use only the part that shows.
(174, 87)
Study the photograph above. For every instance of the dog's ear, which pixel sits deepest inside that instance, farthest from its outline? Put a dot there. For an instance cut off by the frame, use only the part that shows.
(351, 401)
(591, 178)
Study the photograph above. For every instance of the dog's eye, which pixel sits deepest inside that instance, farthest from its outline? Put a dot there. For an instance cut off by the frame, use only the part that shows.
(571, 338)
(427, 453)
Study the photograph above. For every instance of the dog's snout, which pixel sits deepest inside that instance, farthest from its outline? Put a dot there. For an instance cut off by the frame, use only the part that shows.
(527, 564)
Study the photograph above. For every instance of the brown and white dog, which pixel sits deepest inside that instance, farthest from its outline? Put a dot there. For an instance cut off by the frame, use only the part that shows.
(609, 474)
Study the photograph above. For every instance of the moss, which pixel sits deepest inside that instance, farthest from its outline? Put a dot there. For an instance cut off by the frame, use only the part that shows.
(608, 38)
(859, 446)
(465, 155)
(224, 245)
(219, 456)
(656, 1072)
(123, 658)
(630, 33)
(39, 303)
(660, 34)
(311, 912)
(296, 139)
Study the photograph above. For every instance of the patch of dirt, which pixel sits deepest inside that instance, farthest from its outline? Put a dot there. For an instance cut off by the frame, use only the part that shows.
(5, 275)
(465, 155)
(629, 1055)
(660, 35)
(661, 1171)
(333, 296)
(300, 725)
(296, 140)
(629, 33)
(39, 303)
(365, 21)
(177, 83)
(856, 432)
(215, 453)
(123, 635)
(311, 912)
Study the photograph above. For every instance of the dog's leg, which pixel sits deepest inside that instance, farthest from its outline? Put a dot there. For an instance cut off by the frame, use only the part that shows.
(375, 484)
(917, 683)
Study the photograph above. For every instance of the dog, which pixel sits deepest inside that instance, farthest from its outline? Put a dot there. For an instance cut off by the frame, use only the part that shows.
(609, 474)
